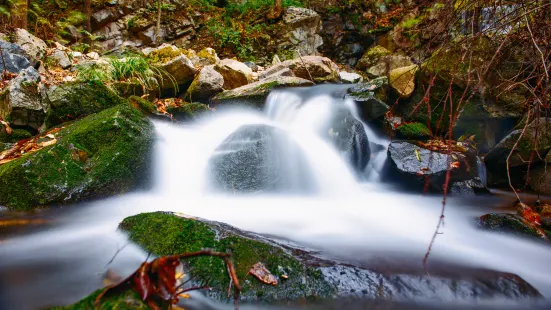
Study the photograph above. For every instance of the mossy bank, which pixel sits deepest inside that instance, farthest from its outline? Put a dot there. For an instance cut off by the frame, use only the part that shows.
(101, 155)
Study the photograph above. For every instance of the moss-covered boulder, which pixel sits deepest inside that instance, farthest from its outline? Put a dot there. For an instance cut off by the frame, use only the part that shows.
(414, 131)
(510, 224)
(73, 100)
(101, 155)
(371, 57)
(188, 111)
(142, 104)
(14, 136)
(256, 93)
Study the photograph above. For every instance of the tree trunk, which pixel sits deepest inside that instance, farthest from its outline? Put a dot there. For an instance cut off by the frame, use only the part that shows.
(19, 14)
(88, 23)
(158, 28)
(277, 10)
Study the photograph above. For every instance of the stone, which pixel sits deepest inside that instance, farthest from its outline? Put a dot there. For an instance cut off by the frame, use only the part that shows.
(387, 64)
(235, 73)
(302, 35)
(101, 155)
(317, 68)
(206, 56)
(372, 57)
(176, 68)
(276, 60)
(255, 94)
(282, 72)
(413, 131)
(33, 46)
(469, 188)
(73, 100)
(102, 18)
(15, 58)
(21, 101)
(370, 98)
(148, 36)
(93, 56)
(512, 224)
(259, 159)
(205, 85)
(402, 80)
(350, 78)
(60, 58)
(188, 111)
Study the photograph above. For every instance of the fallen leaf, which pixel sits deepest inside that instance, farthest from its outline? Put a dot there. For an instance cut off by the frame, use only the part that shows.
(9, 131)
(263, 274)
(47, 143)
(418, 155)
(455, 165)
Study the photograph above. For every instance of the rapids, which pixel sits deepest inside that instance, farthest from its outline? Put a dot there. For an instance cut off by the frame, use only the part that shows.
(356, 219)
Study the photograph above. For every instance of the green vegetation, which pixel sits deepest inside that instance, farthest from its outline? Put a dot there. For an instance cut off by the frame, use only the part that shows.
(416, 131)
(16, 135)
(128, 300)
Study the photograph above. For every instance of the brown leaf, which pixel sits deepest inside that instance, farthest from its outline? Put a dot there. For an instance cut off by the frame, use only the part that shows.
(263, 274)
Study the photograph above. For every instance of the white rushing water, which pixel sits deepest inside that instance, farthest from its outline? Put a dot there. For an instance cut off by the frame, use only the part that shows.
(345, 218)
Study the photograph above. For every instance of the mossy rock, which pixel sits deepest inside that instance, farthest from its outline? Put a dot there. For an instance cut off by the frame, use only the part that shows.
(164, 54)
(128, 300)
(16, 135)
(101, 155)
(509, 224)
(414, 131)
(372, 57)
(164, 233)
(142, 104)
(73, 100)
(188, 111)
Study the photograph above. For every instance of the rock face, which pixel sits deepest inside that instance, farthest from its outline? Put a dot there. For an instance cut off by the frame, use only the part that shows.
(73, 100)
(205, 85)
(259, 158)
(235, 73)
(509, 224)
(21, 100)
(101, 155)
(300, 274)
(370, 98)
(255, 94)
(536, 138)
(316, 68)
(304, 25)
(417, 167)
(15, 58)
(33, 46)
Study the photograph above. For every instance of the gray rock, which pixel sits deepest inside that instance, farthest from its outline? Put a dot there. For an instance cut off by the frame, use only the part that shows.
(469, 188)
(205, 85)
(304, 26)
(178, 70)
(102, 18)
(370, 98)
(148, 36)
(33, 46)
(22, 102)
(350, 78)
(259, 158)
(317, 68)
(388, 63)
(282, 72)
(60, 58)
(235, 73)
(15, 58)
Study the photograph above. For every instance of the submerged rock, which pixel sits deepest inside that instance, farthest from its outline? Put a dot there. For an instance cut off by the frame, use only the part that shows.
(72, 100)
(510, 224)
(255, 94)
(259, 158)
(300, 273)
(101, 155)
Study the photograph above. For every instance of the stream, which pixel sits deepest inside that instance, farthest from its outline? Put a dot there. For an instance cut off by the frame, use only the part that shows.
(349, 218)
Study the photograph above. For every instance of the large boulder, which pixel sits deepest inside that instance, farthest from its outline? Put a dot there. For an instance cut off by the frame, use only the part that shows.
(315, 68)
(370, 98)
(536, 138)
(21, 101)
(205, 85)
(371, 57)
(15, 58)
(402, 80)
(102, 18)
(540, 176)
(101, 155)
(72, 100)
(259, 158)
(418, 168)
(176, 68)
(35, 47)
(299, 273)
(255, 94)
(302, 31)
(388, 63)
(235, 73)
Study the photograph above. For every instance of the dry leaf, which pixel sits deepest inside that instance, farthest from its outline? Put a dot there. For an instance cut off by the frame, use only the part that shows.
(9, 131)
(263, 274)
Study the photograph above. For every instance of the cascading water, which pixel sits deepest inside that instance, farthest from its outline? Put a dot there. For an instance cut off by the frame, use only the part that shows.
(343, 218)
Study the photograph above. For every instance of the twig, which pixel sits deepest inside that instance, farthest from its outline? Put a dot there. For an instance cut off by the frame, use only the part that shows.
(305, 67)
(116, 253)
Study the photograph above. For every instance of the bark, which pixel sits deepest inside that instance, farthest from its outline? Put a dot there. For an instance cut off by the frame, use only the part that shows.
(158, 28)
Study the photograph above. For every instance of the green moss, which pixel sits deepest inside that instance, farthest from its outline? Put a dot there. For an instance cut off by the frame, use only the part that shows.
(416, 131)
(16, 135)
(188, 111)
(372, 57)
(509, 223)
(165, 234)
(129, 300)
(163, 55)
(101, 155)
(141, 104)
(73, 100)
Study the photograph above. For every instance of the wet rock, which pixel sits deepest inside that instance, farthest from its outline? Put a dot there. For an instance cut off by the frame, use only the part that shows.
(33, 46)
(255, 94)
(15, 58)
(259, 158)
(235, 73)
(372, 57)
(402, 80)
(300, 273)
(509, 224)
(370, 98)
(205, 85)
(188, 111)
(416, 167)
(73, 100)
(21, 101)
(468, 188)
(101, 155)
(536, 138)
(413, 131)
(350, 78)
